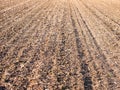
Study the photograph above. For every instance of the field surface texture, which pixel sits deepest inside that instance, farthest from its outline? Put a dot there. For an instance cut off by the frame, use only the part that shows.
(59, 44)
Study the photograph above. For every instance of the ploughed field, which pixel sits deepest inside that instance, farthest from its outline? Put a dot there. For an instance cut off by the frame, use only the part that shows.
(59, 44)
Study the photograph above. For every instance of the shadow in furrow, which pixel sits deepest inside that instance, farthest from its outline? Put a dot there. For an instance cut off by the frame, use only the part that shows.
(84, 67)
(102, 56)
(2, 88)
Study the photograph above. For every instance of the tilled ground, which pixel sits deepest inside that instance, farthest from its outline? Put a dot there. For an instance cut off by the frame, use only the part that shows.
(59, 45)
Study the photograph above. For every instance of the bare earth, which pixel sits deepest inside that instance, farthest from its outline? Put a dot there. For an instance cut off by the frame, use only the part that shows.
(59, 44)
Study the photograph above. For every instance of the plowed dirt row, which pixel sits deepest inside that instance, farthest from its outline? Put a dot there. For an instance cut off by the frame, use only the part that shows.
(60, 45)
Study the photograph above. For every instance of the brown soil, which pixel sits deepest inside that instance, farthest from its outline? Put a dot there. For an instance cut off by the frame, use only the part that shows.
(59, 45)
